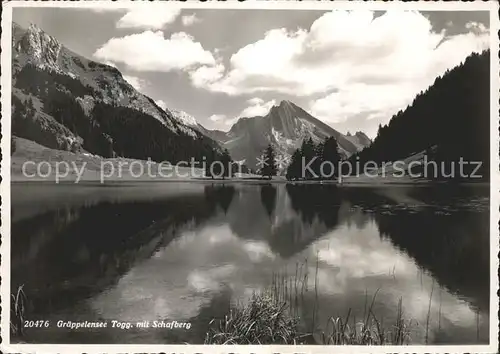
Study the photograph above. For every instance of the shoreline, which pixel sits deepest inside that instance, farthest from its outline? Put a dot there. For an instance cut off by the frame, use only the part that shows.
(90, 172)
(375, 182)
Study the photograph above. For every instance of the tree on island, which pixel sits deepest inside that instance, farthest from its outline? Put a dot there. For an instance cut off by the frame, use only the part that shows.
(226, 161)
(219, 165)
(211, 158)
(325, 154)
(269, 169)
(330, 156)
(308, 152)
(294, 168)
(318, 161)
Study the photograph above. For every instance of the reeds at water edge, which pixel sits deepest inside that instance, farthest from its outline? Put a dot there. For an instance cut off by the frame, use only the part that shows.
(273, 317)
(17, 312)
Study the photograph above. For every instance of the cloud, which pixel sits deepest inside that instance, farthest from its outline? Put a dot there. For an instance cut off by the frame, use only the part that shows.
(206, 75)
(350, 62)
(142, 18)
(479, 27)
(340, 105)
(136, 82)
(189, 20)
(217, 117)
(257, 107)
(148, 18)
(110, 63)
(151, 51)
(104, 9)
(161, 103)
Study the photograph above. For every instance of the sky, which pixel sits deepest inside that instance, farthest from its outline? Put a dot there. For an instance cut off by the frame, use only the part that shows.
(352, 70)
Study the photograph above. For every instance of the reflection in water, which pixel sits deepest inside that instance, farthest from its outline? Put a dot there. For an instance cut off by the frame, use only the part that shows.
(445, 247)
(78, 251)
(219, 195)
(187, 256)
(268, 198)
(322, 202)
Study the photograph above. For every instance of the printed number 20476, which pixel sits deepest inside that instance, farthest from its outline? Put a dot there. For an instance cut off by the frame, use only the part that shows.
(38, 323)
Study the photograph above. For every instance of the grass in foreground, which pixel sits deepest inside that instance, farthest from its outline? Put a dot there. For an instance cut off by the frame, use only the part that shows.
(262, 321)
(370, 331)
(17, 312)
(265, 321)
(271, 317)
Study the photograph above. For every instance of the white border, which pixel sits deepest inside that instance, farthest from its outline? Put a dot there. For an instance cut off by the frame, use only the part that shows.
(491, 6)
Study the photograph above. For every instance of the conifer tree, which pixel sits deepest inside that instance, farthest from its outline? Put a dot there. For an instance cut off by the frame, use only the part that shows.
(226, 164)
(331, 156)
(269, 169)
(210, 159)
(293, 171)
(308, 152)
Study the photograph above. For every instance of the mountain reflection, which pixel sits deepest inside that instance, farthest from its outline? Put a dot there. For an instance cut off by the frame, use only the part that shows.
(288, 219)
(453, 246)
(191, 253)
(78, 251)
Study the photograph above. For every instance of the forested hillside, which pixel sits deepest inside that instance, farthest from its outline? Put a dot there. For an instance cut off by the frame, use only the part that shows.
(449, 120)
(64, 101)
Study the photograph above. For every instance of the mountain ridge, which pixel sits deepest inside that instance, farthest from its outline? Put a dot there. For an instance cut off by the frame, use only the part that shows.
(57, 94)
(285, 126)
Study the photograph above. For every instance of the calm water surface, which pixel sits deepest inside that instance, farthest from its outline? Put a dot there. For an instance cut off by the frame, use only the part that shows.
(187, 251)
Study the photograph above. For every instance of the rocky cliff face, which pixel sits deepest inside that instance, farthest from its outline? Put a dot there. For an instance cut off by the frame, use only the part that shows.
(359, 139)
(43, 69)
(184, 118)
(285, 127)
(34, 46)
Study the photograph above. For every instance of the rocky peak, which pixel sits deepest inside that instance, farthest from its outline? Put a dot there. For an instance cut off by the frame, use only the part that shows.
(41, 47)
(364, 139)
(285, 103)
(363, 136)
(288, 106)
(285, 127)
(35, 47)
(285, 108)
(184, 118)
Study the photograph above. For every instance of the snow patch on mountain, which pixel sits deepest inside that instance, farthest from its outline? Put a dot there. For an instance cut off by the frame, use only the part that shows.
(184, 117)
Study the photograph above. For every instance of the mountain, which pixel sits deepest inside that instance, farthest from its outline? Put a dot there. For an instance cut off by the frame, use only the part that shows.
(217, 135)
(284, 127)
(184, 118)
(359, 139)
(187, 119)
(448, 121)
(64, 101)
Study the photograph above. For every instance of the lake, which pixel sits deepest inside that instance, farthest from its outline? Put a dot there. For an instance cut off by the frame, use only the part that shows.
(188, 251)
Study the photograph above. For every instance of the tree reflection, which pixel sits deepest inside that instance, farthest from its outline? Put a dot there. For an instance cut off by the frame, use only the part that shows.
(268, 198)
(71, 253)
(316, 201)
(219, 195)
(453, 246)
